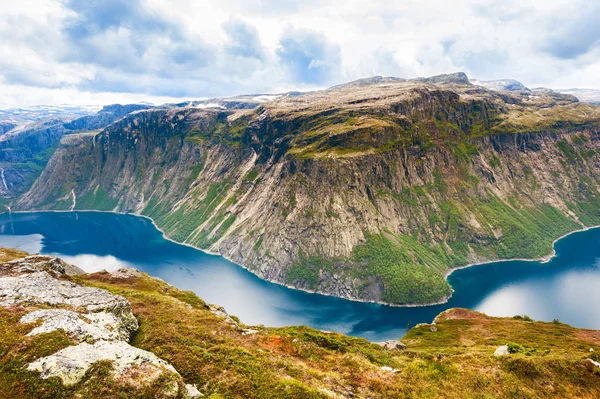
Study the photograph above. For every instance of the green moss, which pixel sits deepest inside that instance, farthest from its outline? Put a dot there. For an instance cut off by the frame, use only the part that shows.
(181, 223)
(258, 243)
(252, 175)
(194, 173)
(494, 162)
(568, 150)
(303, 272)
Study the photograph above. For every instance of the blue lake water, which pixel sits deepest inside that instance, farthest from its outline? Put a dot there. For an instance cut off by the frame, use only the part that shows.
(566, 288)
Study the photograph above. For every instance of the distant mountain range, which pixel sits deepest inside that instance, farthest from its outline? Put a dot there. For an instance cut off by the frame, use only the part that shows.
(40, 112)
(585, 95)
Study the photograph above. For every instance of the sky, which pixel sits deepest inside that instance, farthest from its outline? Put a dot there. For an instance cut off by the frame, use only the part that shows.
(109, 51)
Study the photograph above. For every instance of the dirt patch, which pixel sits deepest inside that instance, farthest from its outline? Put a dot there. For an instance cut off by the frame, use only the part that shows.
(460, 314)
(276, 343)
(589, 335)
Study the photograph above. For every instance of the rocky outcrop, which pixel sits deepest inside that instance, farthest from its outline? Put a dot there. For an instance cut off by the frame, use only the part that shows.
(100, 322)
(83, 327)
(71, 364)
(107, 115)
(392, 344)
(41, 288)
(38, 263)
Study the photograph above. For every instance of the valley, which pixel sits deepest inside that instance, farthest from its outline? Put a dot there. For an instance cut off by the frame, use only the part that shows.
(371, 191)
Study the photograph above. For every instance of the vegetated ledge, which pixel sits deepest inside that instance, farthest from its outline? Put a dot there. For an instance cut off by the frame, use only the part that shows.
(461, 354)
(541, 259)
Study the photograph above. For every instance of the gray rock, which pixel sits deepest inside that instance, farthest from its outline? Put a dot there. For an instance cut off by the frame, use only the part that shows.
(38, 263)
(593, 362)
(127, 272)
(387, 368)
(71, 363)
(42, 288)
(433, 329)
(92, 326)
(94, 315)
(502, 351)
(220, 312)
(192, 392)
(392, 344)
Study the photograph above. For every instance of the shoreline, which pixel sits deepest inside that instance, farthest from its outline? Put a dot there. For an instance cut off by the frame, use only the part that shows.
(541, 260)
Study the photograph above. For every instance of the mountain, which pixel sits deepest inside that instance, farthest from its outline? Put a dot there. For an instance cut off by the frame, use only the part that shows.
(586, 95)
(42, 112)
(127, 335)
(29, 136)
(371, 191)
(501, 85)
(107, 115)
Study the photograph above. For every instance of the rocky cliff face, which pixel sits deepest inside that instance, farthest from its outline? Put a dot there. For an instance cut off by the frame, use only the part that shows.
(104, 117)
(371, 191)
(27, 144)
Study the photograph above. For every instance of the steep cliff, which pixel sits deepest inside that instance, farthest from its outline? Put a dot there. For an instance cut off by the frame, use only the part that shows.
(28, 143)
(372, 190)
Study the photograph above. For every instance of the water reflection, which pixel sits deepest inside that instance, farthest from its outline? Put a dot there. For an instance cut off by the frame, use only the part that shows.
(564, 288)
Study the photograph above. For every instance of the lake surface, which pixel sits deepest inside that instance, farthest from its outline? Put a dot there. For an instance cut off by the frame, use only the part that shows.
(566, 288)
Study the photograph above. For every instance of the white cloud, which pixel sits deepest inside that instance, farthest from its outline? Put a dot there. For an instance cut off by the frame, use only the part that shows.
(85, 52)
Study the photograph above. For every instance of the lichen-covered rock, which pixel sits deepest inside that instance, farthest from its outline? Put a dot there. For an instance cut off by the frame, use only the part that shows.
(84, 327)
(42, 288)
(392, 344)
(127, 272)
(501, 351)
(38, 263)
(71, 363)
(220, 311)
(192, 392)
(102, 322)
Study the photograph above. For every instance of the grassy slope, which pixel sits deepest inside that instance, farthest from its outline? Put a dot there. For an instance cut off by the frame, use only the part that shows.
(299, 362)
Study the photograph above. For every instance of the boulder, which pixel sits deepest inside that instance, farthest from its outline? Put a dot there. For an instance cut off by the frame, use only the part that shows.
(220, 312)
(192, 392)
(71, 363)
(83, 327)
(127, 272)
(502, 351)
(42, 288)
(392, 344)
(38, 263)
(101, 322)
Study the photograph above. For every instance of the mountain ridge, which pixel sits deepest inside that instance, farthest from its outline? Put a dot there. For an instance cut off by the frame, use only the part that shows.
(364, 191)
